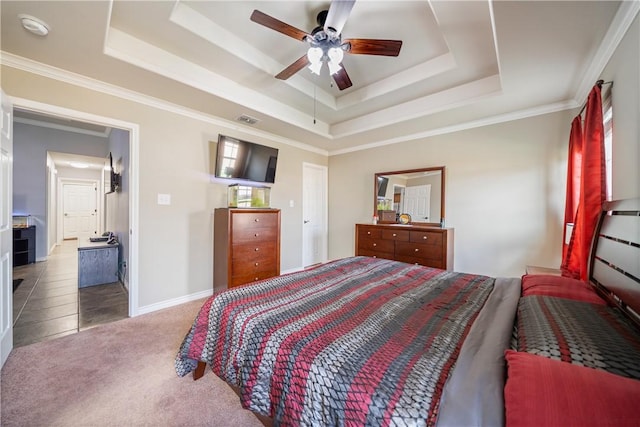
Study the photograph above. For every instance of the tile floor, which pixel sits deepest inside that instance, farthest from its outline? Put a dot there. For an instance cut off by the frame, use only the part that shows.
(48, 304)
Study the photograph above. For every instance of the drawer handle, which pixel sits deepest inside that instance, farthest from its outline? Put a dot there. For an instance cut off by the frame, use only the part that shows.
(256, 279)
(368, 232)
(394, 234)
(416, 250)
(256, 235)
(375, 244)
(257, 249)
(257, 264)
(424, 237)
(257, 220)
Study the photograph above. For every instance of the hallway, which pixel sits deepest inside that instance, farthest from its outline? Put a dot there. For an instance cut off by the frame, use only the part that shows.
(48, 304)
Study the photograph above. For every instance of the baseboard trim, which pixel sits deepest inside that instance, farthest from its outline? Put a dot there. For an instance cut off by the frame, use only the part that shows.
(173, 302)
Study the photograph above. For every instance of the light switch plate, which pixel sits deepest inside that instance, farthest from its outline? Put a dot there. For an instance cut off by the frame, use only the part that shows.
(164, 199)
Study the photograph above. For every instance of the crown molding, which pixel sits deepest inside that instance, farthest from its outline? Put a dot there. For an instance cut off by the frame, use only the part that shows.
(56, 126)
(501, 118)
(68, 77)
(619, 26)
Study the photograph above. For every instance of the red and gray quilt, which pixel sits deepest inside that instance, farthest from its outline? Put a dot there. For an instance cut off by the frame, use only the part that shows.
(357, 341)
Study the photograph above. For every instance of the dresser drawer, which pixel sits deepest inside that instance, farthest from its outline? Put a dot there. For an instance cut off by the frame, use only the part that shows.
(418, 250)
(251, 220)
(375, 254)
(248, 278)
(243, 267)
(433, 263)
(252, 252)
(254, 234)
(397, 235)
(377, 245)
(425, 237)
(369, 233)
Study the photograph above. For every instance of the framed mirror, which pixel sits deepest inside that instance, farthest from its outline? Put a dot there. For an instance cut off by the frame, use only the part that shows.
(414, 196)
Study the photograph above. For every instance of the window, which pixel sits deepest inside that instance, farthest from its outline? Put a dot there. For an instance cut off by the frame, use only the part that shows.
(607, 116)
(230, 155)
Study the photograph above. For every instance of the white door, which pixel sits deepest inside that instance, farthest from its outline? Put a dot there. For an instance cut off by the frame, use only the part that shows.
(314, 214)
(80, 210)
(417, 202)
(6, 228)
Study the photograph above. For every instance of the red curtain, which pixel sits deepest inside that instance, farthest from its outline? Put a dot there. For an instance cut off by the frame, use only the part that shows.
(592, 189)
(574, 166)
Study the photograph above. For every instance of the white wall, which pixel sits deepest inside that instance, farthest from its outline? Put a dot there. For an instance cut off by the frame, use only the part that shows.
(503, 195)
(117, 203)
(624, 70)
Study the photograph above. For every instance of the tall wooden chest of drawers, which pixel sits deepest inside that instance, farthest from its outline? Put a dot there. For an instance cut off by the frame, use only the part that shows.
(246, 246)
(415, 244)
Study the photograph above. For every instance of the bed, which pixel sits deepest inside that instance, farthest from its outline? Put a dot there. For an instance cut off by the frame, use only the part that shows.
(367, 341)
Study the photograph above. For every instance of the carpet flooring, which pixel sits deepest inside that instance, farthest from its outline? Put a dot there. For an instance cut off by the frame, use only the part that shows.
(118, 374)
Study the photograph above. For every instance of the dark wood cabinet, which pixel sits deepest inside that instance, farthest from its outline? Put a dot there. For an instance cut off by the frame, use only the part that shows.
(24, 245)
(246, 246)
(414, 244)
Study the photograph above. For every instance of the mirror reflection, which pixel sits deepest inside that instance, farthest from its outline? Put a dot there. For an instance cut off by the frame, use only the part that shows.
(418, 193)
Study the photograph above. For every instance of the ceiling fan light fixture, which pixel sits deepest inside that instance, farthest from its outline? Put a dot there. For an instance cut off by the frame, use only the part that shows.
(315, 54)
(334, 67)
(315, 67)
(335, 55)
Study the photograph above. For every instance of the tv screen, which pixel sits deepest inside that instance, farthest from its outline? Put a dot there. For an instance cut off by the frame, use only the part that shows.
(108, 175)
(383, 181)
(237, 159)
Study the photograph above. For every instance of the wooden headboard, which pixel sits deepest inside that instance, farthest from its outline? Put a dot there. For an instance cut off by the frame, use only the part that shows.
(615, 256)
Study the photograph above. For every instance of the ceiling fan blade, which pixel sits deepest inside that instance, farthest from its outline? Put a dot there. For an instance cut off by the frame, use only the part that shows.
(374, 47)
(302, 62)
(277, 25)
(342, 79)
(338, 13)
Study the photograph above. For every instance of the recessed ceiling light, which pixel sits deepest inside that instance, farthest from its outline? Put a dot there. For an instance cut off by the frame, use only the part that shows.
(247, 119)
(34, 25)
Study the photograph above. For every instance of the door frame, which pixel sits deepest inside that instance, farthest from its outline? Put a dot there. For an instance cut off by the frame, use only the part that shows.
(60, 204)
(134, 180)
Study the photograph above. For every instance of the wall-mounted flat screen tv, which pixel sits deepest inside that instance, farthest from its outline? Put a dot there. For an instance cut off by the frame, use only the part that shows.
(383, 182)
(110, 177)
(243, 160)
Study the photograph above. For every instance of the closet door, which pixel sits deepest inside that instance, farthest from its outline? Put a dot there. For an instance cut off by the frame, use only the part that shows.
(6, 228)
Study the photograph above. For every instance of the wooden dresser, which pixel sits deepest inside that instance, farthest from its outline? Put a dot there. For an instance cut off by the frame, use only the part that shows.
(415, 244)
(246, 246)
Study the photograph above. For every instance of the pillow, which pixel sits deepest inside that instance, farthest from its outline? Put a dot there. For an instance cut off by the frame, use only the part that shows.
(591, 335)
(546, 392)
(561, 287)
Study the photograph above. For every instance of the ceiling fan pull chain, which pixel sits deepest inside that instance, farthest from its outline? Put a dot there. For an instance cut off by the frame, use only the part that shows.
(314, 104)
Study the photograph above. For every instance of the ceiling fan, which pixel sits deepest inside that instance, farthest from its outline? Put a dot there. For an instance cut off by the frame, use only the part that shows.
(326, 44)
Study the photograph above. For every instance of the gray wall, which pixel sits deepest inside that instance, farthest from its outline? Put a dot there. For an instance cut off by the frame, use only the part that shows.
(30, 146)
(117, 203)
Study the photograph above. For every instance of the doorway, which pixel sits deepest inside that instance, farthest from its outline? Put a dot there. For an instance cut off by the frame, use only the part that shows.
(314, 214)
(79, 209)
(83, 222)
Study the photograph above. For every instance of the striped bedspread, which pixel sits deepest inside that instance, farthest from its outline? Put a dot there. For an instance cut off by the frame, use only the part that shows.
(357, 341)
